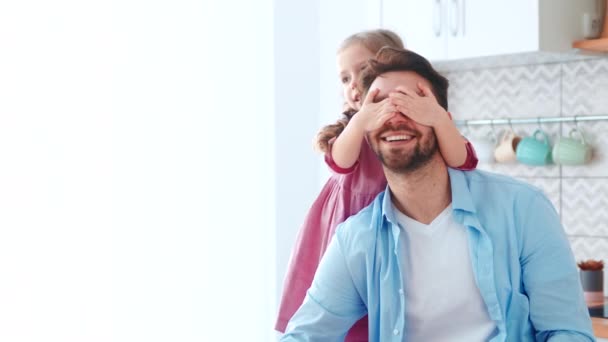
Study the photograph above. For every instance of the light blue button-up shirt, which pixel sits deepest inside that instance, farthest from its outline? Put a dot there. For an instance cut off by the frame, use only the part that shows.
(521, 258)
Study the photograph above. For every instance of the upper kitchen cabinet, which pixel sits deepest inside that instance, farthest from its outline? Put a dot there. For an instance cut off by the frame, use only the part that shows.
(419, 23)
(454, 29)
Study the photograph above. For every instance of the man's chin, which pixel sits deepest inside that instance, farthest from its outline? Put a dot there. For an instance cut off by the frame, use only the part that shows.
(396, 163)
(405, 163)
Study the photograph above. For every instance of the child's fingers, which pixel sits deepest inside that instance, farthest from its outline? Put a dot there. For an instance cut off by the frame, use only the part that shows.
(402, 109)
(426, 90)
(400, 99)
(371, 96)
(382, 119)
(399, 108)
(406, 91)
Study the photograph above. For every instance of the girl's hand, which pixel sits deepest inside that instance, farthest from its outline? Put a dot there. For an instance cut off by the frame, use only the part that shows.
(373, 115)
(422, 108)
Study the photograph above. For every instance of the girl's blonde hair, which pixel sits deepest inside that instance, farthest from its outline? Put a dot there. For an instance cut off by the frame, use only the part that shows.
(373, 40)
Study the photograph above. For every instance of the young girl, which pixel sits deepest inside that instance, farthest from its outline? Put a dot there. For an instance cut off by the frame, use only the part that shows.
(358, 175)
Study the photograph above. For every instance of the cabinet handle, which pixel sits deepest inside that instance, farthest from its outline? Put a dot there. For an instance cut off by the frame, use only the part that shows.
(437, 18)
(463, 20)
(454, 17)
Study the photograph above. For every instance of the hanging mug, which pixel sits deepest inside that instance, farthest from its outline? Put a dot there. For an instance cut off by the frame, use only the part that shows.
(484, 147)
(535, 149)
(572, 150)
(505, 152)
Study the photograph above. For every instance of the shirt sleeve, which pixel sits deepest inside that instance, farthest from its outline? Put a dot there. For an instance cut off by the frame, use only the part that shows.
(332, 304)
(471, 161)
(550, 278)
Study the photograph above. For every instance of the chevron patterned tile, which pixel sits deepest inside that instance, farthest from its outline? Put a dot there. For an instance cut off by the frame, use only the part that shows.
(523, 91)
(596, 134)
(502, 61)
(589, 248)
(585, 206)
(585, 87)
(550, 186)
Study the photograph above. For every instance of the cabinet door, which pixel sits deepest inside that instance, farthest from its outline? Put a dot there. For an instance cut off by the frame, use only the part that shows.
(490, 27)
(420, 23)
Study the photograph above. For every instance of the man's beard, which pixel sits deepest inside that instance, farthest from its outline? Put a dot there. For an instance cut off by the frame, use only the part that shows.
(399, 160)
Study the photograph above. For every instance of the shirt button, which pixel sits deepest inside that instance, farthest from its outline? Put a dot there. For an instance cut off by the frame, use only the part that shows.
(395, 332)
(401, 291)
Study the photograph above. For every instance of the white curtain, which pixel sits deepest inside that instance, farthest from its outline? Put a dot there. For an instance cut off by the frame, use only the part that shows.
(136, 170)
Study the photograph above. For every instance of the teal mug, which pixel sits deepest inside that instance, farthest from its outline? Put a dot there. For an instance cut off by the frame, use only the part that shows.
(572, 150)
(535, 149)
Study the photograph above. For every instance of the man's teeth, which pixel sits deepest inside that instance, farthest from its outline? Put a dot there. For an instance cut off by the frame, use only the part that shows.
(398, 138)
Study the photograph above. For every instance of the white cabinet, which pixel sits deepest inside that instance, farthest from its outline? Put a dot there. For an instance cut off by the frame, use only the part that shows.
(419, 23)
(490, 27)
(454, 29)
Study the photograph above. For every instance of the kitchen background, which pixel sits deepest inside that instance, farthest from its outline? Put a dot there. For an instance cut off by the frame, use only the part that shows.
(500, 84)
(481, 90)
(156, 160)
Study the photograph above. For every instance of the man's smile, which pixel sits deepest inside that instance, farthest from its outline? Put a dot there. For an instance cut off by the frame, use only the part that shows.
(398, 137)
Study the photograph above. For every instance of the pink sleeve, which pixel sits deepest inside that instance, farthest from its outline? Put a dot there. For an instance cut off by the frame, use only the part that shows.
(471, 162)
(332, 164)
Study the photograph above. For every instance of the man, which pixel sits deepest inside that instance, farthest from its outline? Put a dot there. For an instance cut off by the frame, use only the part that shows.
(442, 255)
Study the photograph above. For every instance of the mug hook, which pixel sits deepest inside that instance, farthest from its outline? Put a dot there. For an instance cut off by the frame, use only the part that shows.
(493, 128)
(576, 123)
(510, 124)
(467, 129)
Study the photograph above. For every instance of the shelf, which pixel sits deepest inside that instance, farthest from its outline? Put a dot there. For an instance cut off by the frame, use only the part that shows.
(600, 325)
(599, 45)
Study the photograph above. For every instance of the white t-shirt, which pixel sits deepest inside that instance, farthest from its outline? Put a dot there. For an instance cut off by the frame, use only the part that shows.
(442, 301)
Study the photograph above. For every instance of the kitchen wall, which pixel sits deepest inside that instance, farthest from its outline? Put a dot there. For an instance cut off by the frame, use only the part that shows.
(546, 87)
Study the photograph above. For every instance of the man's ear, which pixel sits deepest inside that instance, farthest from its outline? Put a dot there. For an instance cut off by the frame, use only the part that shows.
(450, 115)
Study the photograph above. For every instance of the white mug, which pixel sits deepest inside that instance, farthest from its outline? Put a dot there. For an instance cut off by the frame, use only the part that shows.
(484, 147)
(505, 150)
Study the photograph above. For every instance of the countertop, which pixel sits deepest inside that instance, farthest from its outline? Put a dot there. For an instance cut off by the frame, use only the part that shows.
(600, 325)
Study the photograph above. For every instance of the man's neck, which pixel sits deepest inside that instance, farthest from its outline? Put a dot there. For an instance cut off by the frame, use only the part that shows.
(421, 194)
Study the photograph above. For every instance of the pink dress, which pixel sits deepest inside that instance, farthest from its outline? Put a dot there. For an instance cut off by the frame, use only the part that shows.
(346, 192)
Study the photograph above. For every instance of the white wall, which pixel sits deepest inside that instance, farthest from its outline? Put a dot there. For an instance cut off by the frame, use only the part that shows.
(155, 161)
(308, 96)
(297, 110)
(137, 171)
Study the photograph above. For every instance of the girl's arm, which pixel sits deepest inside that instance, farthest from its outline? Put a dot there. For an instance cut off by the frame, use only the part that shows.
(347, 146)
(452, 145)
(424, 109)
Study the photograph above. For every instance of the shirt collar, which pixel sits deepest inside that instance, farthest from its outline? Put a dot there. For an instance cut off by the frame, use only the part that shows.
(387, 206)
(461, 196)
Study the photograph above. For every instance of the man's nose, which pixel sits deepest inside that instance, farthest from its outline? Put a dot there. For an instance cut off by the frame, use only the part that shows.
(397, 118)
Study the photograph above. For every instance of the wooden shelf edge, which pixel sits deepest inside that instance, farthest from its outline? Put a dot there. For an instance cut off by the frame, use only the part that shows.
(600, 45)
(600, 327)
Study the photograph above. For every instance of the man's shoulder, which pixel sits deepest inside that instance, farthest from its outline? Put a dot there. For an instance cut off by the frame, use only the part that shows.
(362, 226)
(494, 184)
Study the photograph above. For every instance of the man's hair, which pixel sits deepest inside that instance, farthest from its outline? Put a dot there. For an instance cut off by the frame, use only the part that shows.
(391, 59)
